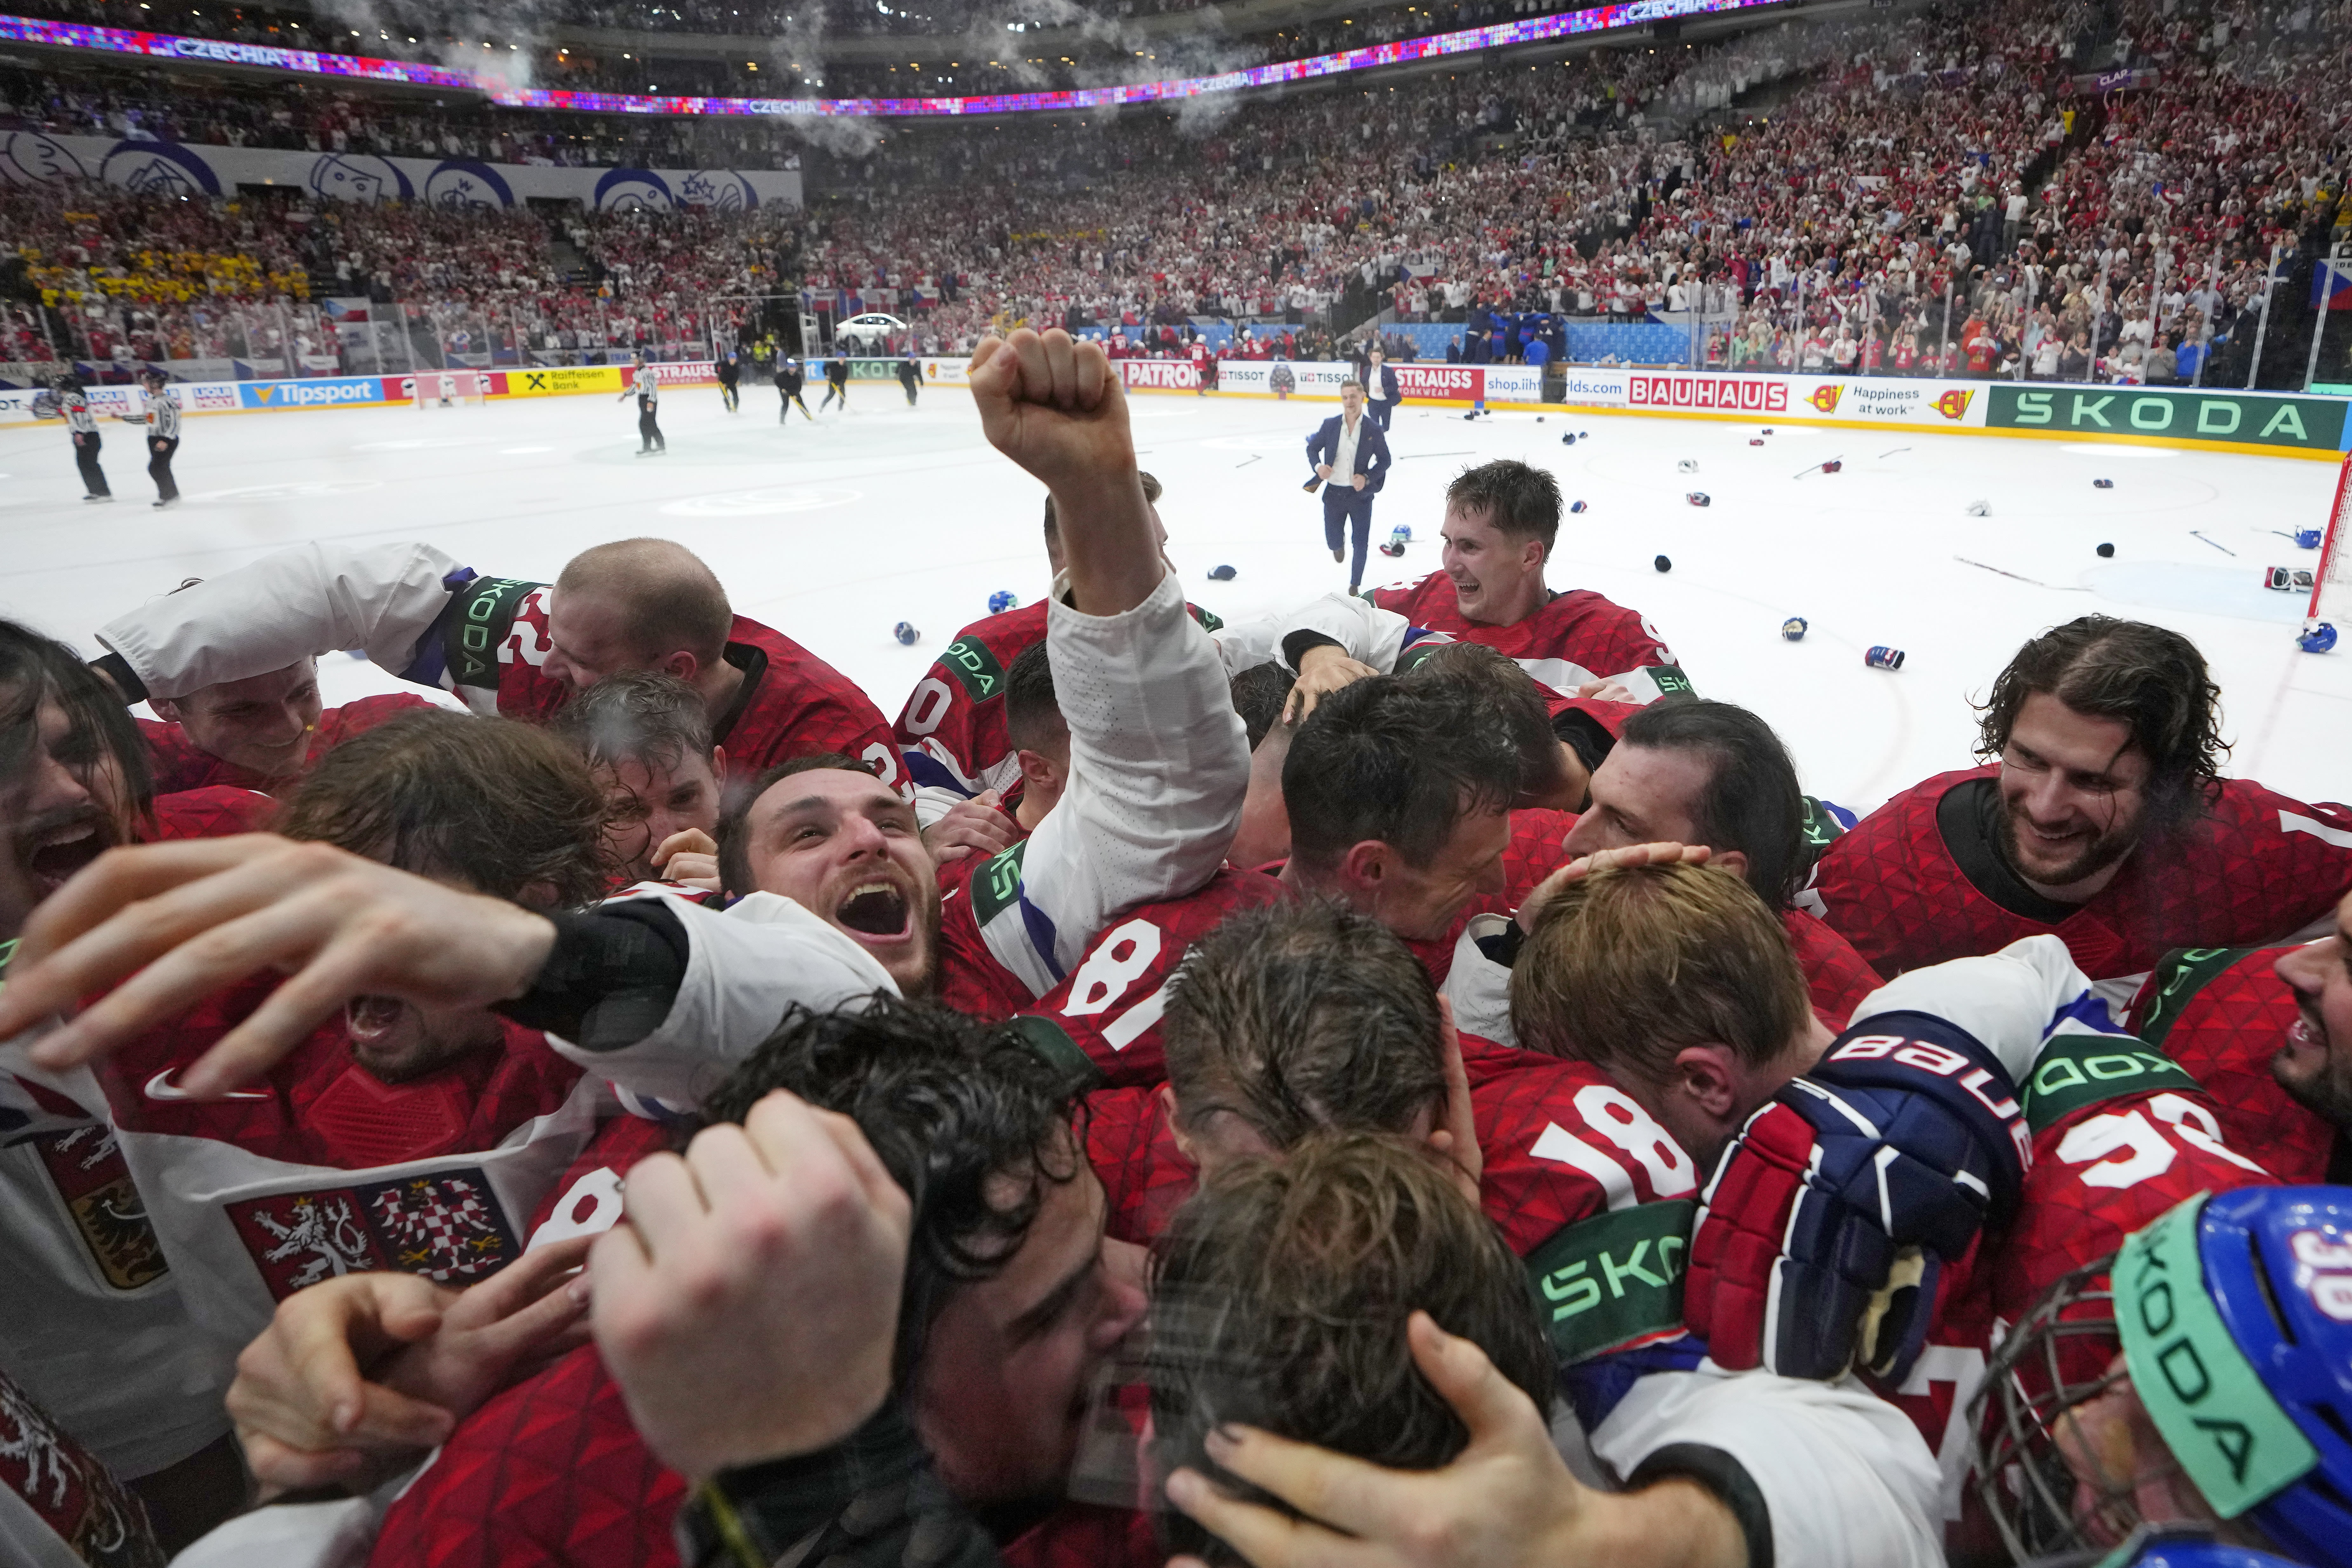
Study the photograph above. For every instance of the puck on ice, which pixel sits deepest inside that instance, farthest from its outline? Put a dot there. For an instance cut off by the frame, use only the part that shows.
(906, 633)
(2103, 484)
(1663, 564)
(2107, 551)
(1221, 574)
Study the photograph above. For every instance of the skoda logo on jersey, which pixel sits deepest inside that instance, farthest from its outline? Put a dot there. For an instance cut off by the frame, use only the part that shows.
(350, 177)
(721, 190)
(157, 169)
(462, 183)
(30, 158)
(628, 190)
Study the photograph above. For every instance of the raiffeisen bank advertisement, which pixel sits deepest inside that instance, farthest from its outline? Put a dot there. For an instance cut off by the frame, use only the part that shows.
(1404, 51)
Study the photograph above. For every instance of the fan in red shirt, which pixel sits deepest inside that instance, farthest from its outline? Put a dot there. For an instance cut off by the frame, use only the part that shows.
(1502, 525)
(2104, 821)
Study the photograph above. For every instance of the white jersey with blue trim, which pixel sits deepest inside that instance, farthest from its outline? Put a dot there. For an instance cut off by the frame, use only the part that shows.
(1158, 763)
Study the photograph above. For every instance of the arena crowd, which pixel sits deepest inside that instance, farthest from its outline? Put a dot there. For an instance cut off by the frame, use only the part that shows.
(1931, 193)
(1410, 1079)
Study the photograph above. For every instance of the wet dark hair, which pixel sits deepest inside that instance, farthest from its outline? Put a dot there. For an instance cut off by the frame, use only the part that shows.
(1281, 1292)
(1493, 690)
(1260, 694)
(1751, 801)
(1033, 717)
(502, 804)
(1517, 498)
(953, 1107)
(2149, 678)
(734, 856)
(657, 719)
(1383, 760)
(35, 669)
(1303, 1015)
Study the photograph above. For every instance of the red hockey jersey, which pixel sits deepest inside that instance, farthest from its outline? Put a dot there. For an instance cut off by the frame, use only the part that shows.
(1576, 637)
(1112, 1001)
(790, 703)
(180, 764)
(1906, 886)
(2120, 1135)
(953, 727)
(2222, 1012)
(216, 811)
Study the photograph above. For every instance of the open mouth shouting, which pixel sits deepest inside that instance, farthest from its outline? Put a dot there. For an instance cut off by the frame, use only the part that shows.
(371, 1020)
(877, 912)
(51, 854)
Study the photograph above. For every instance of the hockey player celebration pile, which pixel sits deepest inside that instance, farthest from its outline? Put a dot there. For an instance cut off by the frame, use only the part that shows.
(1409, 1080)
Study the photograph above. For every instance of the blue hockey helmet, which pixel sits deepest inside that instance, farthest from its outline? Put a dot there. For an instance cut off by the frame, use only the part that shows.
(2278, 1270)
(2234, 1317)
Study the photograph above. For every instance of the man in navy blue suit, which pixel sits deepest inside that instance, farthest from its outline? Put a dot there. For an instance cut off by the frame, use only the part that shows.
(1380, 394)
(1351, 459)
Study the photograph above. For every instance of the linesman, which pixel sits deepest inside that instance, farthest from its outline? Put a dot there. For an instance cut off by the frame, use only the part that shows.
(74, 404)
(161, 417)
(647, 387)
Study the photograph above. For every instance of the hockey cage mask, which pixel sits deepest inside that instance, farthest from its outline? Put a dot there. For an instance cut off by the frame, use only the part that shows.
(2235, 1326)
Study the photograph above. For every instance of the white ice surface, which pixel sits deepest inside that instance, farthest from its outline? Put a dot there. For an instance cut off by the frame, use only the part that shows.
(835, 531)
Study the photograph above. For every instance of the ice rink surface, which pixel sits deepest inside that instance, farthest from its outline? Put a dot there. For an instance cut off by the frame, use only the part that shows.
(836, 531)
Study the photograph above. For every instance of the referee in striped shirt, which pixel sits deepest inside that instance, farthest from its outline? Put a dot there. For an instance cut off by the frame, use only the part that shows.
(162, 418)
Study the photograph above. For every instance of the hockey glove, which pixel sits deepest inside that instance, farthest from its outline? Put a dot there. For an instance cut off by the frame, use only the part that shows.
(1823, 1232)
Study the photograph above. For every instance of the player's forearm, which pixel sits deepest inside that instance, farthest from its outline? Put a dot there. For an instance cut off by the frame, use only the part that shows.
(1365, 632)
(285, 607)
(1109, 543)
(1158, 764)
(1678, 1523)
(667, 1020)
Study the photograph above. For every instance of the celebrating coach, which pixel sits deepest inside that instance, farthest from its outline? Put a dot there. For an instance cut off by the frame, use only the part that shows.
(1351, 457)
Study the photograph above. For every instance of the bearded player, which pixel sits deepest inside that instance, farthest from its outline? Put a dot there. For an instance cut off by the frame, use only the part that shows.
(2101, 819)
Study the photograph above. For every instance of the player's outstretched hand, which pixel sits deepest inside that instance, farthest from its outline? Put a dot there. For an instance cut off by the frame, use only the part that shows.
(1322, 670)
(356, 1377)
(1584, 866)
(165, 925)
(749, 1304)
(1506, 1501)
(974, 826)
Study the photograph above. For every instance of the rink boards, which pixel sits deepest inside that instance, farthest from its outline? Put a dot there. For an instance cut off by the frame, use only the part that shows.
(2265, 423)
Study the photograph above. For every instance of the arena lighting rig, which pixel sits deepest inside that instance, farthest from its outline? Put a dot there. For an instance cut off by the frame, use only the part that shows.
(311, 62)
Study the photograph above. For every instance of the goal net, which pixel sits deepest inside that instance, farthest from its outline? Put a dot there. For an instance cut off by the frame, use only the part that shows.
(2331, 590)
(450, 389)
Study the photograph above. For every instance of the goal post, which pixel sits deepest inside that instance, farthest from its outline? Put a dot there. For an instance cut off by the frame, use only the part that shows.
(450, 389)
(2331, 587)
